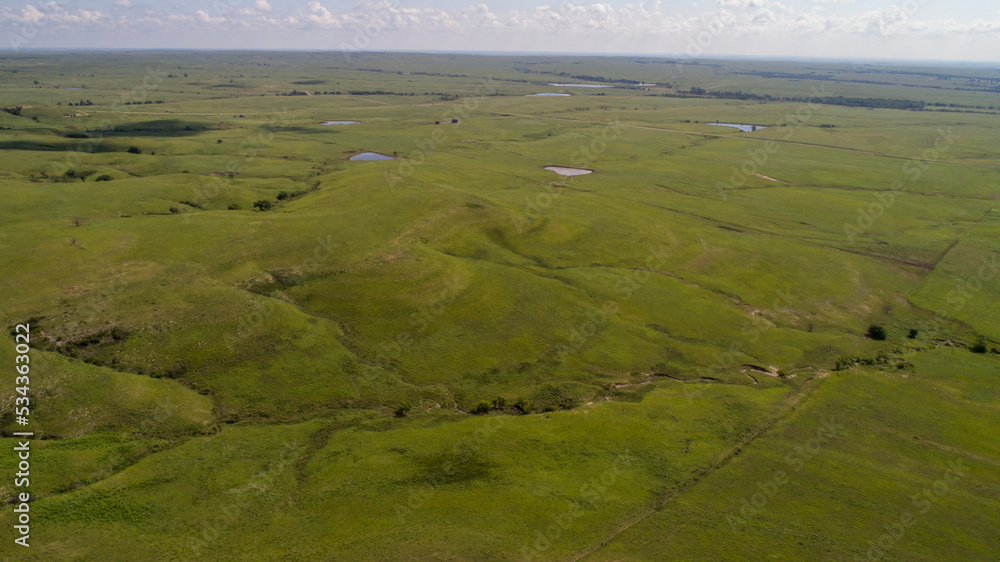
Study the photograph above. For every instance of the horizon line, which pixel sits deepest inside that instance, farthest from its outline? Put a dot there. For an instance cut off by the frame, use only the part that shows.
(667, 56)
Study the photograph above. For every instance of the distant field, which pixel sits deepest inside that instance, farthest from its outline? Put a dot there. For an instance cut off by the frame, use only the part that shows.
(247, 345)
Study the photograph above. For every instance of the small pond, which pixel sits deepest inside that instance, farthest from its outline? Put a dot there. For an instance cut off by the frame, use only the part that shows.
(546, 95)
(371, 156)
(340, 123)
(580, 85)
(566, 171)
(741, 126)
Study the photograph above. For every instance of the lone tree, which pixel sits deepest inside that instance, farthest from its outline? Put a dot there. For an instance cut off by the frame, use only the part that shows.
(913, 334)
(134, 150)
(876, 332)
(263, 205)
(980, 346)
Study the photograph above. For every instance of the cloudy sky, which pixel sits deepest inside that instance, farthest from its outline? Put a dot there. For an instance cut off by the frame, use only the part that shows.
(966, 30)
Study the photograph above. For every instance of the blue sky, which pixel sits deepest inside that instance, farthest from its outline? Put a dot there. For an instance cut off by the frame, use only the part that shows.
(898, 29)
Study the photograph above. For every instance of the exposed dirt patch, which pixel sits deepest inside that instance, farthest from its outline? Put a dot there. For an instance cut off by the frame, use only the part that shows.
(751, 370)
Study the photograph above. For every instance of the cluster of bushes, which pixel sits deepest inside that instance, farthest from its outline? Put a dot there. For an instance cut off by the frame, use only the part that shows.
(880, 103)
(288, 195)
(74, 348)
(73, 175)
(583, 77)
(83, 103)
(878, 332)
(883, 359)
(378, 93)
(15, 111)
(499, 404)
(147, 102)
(265, 205)
(400, 72)
(961, 106)
(88, 349)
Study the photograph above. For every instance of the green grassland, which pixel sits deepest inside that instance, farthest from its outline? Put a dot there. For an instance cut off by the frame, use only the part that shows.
(216, 382)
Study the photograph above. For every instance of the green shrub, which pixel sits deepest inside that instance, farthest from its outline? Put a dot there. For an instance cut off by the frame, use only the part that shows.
(104, 177)
(263, 205)
(403, 409)
(522, 406)
(134, 150)
(876, 332)
(980, 346)
(481, 408)
(844, 363)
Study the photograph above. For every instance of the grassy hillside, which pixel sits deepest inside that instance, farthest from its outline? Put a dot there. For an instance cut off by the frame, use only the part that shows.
(247, 344)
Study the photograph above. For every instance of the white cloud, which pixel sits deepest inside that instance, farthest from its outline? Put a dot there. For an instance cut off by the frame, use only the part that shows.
(645, 23)
(316, 14)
